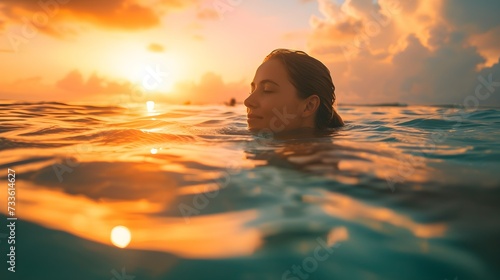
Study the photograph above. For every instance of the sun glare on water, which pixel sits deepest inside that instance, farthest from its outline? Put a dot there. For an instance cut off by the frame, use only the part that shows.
(120, 236)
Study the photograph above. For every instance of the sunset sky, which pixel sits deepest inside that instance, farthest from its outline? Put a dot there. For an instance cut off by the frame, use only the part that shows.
(416, 52)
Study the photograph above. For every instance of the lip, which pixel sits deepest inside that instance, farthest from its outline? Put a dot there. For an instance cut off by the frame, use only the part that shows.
(253, 116)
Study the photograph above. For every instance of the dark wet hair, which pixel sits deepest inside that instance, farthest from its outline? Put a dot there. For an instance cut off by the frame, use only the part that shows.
(310, 76)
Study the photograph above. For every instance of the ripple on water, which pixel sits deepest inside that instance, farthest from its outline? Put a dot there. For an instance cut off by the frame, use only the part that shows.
(191, 182)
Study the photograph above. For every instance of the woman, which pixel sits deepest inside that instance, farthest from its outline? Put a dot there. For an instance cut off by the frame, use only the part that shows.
(291, 91)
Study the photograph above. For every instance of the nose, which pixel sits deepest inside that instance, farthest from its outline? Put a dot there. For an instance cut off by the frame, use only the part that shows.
(250, 101)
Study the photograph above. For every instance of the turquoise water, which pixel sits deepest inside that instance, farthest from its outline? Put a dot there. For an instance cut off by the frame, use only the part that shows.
(401, 192)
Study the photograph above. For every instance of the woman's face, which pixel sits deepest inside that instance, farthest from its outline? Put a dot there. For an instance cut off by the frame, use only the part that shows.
(274, 103)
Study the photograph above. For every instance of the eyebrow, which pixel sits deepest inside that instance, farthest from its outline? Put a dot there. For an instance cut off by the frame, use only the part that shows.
(265, 81)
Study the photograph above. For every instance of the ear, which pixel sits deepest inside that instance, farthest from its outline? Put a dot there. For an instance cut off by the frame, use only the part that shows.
(311, 105)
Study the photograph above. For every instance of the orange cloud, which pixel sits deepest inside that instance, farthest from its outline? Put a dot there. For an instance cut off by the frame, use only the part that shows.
(79, 88)
(397, 51)
(354, 26)
(488, 44)
(208, 14)
(29, 88)
(113, 14)
(211, 89)
(155, 48)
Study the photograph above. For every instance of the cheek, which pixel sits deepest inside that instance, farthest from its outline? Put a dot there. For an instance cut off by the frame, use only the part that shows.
(279, 110)
(276, 103)
(281, 117)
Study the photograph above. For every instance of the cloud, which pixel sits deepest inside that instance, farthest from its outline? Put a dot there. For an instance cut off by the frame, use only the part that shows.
(72, 87)
(111, 14)
(210, 89)
(477, 16)
(153, 47)
(424, 52)
(94, 86)
(208, 14)
(28, 80)
(197, 37)
(29, 88)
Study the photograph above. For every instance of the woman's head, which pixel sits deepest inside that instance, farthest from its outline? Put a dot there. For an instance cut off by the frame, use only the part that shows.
(291, 90)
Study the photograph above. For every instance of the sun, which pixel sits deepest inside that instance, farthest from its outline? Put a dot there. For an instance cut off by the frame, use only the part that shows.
(154, 72)
(120, 236)
(150, 106)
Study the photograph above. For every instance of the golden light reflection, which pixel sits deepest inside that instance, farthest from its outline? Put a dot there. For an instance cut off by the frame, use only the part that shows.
(206, 236)
(337, 161)
(120, 236)
(337, 235)
(375, 217)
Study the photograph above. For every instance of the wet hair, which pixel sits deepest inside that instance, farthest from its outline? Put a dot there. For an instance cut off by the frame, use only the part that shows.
(311, 77)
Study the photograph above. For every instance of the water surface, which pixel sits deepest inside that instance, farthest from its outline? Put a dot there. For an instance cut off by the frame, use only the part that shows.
(400, 192)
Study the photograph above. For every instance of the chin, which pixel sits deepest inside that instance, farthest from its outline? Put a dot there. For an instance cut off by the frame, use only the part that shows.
(258, 129)
(253, 125)
(253, 128)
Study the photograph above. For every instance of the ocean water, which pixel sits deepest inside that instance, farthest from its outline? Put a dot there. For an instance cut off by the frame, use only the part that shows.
(400, 192)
